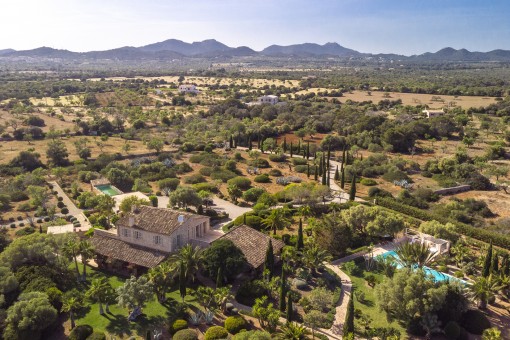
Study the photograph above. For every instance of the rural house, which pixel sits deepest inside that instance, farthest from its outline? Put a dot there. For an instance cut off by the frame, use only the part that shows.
(188, 88)
(253, 244)
(270, 99)
(433, 113)
(145, 237)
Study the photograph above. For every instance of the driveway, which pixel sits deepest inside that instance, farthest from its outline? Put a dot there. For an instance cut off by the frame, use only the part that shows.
(73, 209)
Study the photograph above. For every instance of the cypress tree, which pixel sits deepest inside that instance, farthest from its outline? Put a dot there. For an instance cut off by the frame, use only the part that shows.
(308, 170)
(291, 149)
(324, 178)
(269, 261)
(343, 157)
(219, 277)
(299, 146)
(488, 261)
(262, 147)
(284, 144)
(352, 194)
(148, 335)
(320, 166)
(329, 154)
(495, 264)
(290, 309)
(349, 317)
(244, 218)
(329, 178)
(236, 141)
(308, 151)
(249, 143)
(316, 173)
(182, 281)
(282, 291)
(231, 142)
(342, 179)
(300, 243)
(337, 174)
(258, 142)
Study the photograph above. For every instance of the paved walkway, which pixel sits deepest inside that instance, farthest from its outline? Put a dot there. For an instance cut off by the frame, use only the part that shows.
(73, 209)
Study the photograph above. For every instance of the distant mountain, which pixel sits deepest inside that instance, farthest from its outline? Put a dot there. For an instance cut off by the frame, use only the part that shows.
(332, 49)
(176, 49)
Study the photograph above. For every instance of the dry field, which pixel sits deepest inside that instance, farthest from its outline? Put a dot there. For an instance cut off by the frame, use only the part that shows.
(49, 121)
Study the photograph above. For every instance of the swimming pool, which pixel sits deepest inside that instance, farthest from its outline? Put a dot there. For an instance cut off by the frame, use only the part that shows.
(109, 190)
(437, 276)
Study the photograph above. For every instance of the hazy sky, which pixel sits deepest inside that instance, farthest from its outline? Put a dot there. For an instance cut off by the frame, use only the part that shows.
(400, 26)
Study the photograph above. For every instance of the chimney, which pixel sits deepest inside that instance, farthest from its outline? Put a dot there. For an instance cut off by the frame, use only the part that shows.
(131, 221)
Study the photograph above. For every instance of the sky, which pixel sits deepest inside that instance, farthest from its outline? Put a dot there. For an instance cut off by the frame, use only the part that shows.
(372, 26)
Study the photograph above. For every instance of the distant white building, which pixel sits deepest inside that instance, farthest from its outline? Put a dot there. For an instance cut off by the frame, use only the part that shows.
(433, 113)
(270, 99)
(188, 88)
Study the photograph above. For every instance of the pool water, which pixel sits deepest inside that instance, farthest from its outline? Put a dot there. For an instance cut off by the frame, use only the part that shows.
(108, 190)
(437, 276)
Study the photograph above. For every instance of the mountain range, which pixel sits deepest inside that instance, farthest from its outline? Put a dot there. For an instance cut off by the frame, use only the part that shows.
(177, 49)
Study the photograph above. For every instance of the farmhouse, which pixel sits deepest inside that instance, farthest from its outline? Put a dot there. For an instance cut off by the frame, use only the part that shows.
(433, 113)
(188, 88)
(253, 244)
(145, 237)
(270, 99)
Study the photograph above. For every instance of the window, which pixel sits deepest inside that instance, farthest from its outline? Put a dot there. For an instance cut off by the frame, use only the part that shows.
(157, 239)
(138, 235)
(126, 233)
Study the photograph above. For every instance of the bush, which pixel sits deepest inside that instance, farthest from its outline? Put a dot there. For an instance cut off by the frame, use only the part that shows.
(260, 163)
(262, 178)
(64, 211)
(378, 192)
(178, 325)
(81, 332)
(249, 291)
(368, 182)
(234, 324)
(242, 183)
(206, 171)
(302, 169)
(205, 187)
(185, 334)
(223, 175)
(475, 322)
(278, 158)
(275, 173)
(452, 330)
(253, 194)
(18, 196)
(60, 204)
(299, 161)
(253, 221)
(216, 332)
(194, 179)
(97, 336)
(300, 284)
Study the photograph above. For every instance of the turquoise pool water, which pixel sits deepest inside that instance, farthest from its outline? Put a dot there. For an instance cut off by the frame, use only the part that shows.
(437, 276)
(109, 190)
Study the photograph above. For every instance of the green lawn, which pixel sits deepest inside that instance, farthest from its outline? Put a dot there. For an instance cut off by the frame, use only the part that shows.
(369, 306)
(116, 323)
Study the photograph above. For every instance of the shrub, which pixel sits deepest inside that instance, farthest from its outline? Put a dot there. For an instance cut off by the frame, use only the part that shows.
(234, 324)
(205, 187)
(60, 204)
(277, 158)
(46, 219)
(302, 169)
(475, 322)
(253, 194)
(25, 231)
(249, 291)
(299, 161)
(81, 332)
(21, 224)
(260, 163)
(253, 221)
(178, 325)
(452, 330)
(242, 183)
(13, 225)
(368, 182)
(300, 284)
(64, 211)
(97, 336)
(216, 332)
(275, 173)
(194, 179)
(18, 196)
(185, 334)
(262, 178)
(60, 198)
(222, 175)
(206, 171)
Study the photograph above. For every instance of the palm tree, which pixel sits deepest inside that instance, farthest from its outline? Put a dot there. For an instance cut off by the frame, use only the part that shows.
(100, 291)
(276, 220)
(315, 257)
(504, 282)
(292, 331)
(413, 254)
(161, 277)
(86, 252)
(461, 252)
(191, 257)
(71, 249)
(304, 211)
(483, 290)
(70, 304)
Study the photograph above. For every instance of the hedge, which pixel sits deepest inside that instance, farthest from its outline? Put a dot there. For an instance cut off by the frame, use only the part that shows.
(480, 234)
(185, 334)
(178, 325)
(234, 324)
(216, 332)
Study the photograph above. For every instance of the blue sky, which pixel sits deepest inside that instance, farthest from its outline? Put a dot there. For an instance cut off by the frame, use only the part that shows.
(378, 26)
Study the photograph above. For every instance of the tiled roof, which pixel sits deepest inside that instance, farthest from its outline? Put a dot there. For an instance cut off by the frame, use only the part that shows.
(253, 244)
(156, 220)
(108, 244)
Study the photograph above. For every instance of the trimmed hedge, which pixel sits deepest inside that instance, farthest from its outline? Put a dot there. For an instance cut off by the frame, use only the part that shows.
(234, 324)
(483, 235)
(216, 332)
(185, 334)
(178, 325)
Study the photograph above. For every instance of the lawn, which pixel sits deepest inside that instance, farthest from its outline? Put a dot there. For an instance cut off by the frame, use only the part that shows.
(369, 306)
(115, 323)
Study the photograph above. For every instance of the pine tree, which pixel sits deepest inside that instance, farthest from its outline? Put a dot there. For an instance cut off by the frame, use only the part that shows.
(291, 149)
(316, 173)
(283, 292)
(290, 309)
(337, 174)
(300, 241)
(349, 317)
(219, 277)
(231, 142)
(342, 179)
(269, 261)
(488, 261)
(284, 144)
(182, 281)
(352, 194)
